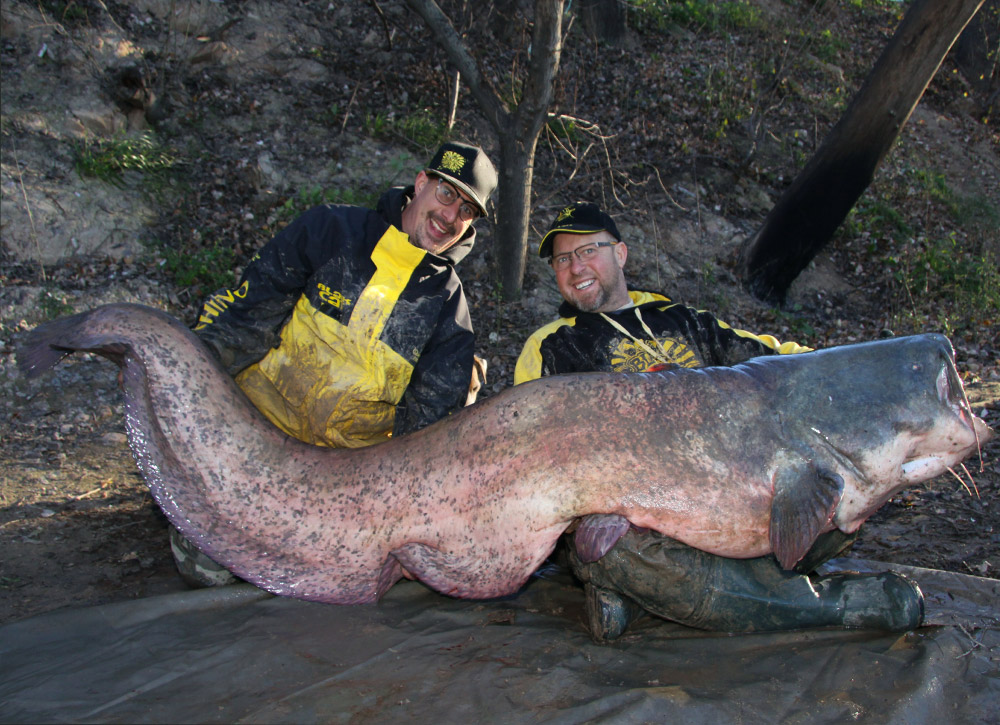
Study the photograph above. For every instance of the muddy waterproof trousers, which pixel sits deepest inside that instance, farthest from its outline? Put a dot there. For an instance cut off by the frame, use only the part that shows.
(195, 567)
(646, 571)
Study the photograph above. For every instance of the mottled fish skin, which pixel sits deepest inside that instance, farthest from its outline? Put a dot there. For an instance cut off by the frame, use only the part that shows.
(738, 461)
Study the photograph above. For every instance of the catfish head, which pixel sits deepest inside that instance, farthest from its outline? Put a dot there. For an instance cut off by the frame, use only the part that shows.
(885, 415)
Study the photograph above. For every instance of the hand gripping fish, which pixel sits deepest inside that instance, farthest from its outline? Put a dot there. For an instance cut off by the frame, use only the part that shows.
(740, 461)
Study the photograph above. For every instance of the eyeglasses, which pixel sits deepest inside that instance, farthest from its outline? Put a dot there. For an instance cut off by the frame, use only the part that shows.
(445, 193)
(584, 254)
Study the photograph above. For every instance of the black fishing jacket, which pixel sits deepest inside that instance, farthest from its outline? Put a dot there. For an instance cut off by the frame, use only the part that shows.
(342, 332)
(652, 334)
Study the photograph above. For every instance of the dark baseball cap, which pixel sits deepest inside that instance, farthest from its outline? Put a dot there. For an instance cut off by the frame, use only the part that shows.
(468, 168)
(581, 217)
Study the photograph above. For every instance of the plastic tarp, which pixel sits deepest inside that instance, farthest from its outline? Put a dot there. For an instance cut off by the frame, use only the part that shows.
(237, 654)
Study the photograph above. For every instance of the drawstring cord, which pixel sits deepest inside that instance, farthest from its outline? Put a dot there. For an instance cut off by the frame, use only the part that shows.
(660, 354)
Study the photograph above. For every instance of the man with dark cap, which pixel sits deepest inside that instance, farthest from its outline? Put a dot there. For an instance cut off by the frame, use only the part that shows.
(351, 325)
(605, 326)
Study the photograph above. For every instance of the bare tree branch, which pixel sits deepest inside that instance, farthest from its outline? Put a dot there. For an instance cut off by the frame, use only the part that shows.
(454, 47)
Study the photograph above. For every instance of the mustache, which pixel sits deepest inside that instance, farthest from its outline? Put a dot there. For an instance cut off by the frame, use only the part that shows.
(448, 227)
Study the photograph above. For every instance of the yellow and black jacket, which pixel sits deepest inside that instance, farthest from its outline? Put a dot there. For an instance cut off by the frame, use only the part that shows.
(654, 333)
(342, 332)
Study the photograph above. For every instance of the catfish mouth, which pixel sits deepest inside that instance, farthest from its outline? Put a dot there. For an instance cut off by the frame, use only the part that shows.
(951, 393)
(950, 390)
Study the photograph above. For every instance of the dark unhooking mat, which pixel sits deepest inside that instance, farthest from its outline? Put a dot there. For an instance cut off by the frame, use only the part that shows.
(237, 654)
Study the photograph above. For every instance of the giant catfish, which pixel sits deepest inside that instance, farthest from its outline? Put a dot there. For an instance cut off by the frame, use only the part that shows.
(741, 461)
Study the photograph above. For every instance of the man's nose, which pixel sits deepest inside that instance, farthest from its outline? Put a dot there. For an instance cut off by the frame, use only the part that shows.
(450, 212)
(575, 263)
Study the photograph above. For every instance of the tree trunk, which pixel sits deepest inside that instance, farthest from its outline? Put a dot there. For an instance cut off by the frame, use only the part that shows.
(517, 158)
(517, 147)
(808, 213)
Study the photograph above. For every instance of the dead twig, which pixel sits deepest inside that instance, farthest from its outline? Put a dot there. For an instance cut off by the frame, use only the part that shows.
(347, 111)
(673, 201)
(453, 101)
(81, 496)
(976, 644)
(385, 23)
(31, 218)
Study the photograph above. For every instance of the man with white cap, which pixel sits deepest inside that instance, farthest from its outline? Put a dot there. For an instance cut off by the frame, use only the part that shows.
(605, 326)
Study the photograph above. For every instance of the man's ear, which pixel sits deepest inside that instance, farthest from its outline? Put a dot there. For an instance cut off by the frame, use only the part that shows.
(621, 254)
(420, 182)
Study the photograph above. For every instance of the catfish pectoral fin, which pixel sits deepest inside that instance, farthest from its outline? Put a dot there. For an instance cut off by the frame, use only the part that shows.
(806, 495)
(597, 534)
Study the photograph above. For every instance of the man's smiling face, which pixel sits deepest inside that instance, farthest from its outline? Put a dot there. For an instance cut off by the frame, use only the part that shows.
(430, 224)
(597, 284)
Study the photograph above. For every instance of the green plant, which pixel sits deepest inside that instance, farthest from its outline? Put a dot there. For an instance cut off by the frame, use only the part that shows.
(497, 306)
(933, 185)
(833, 102)
(375, 125)
(108, 159)
(728, 98)
(10, 582)
(798, 326)
(943, 280)
(210, 267)
(661, 15)
(421, 129)
(977, 212)
(872, 5)
(710, 294)
(331, 116)
(68, 13)
(827, 46)
(314, 196)
(53, 304)
(939, 279)
(973, 280)
(564, 128)
(877, 219)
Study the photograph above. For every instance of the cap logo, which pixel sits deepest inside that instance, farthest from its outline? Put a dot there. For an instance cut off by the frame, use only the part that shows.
(565, 213)
(453, 161)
